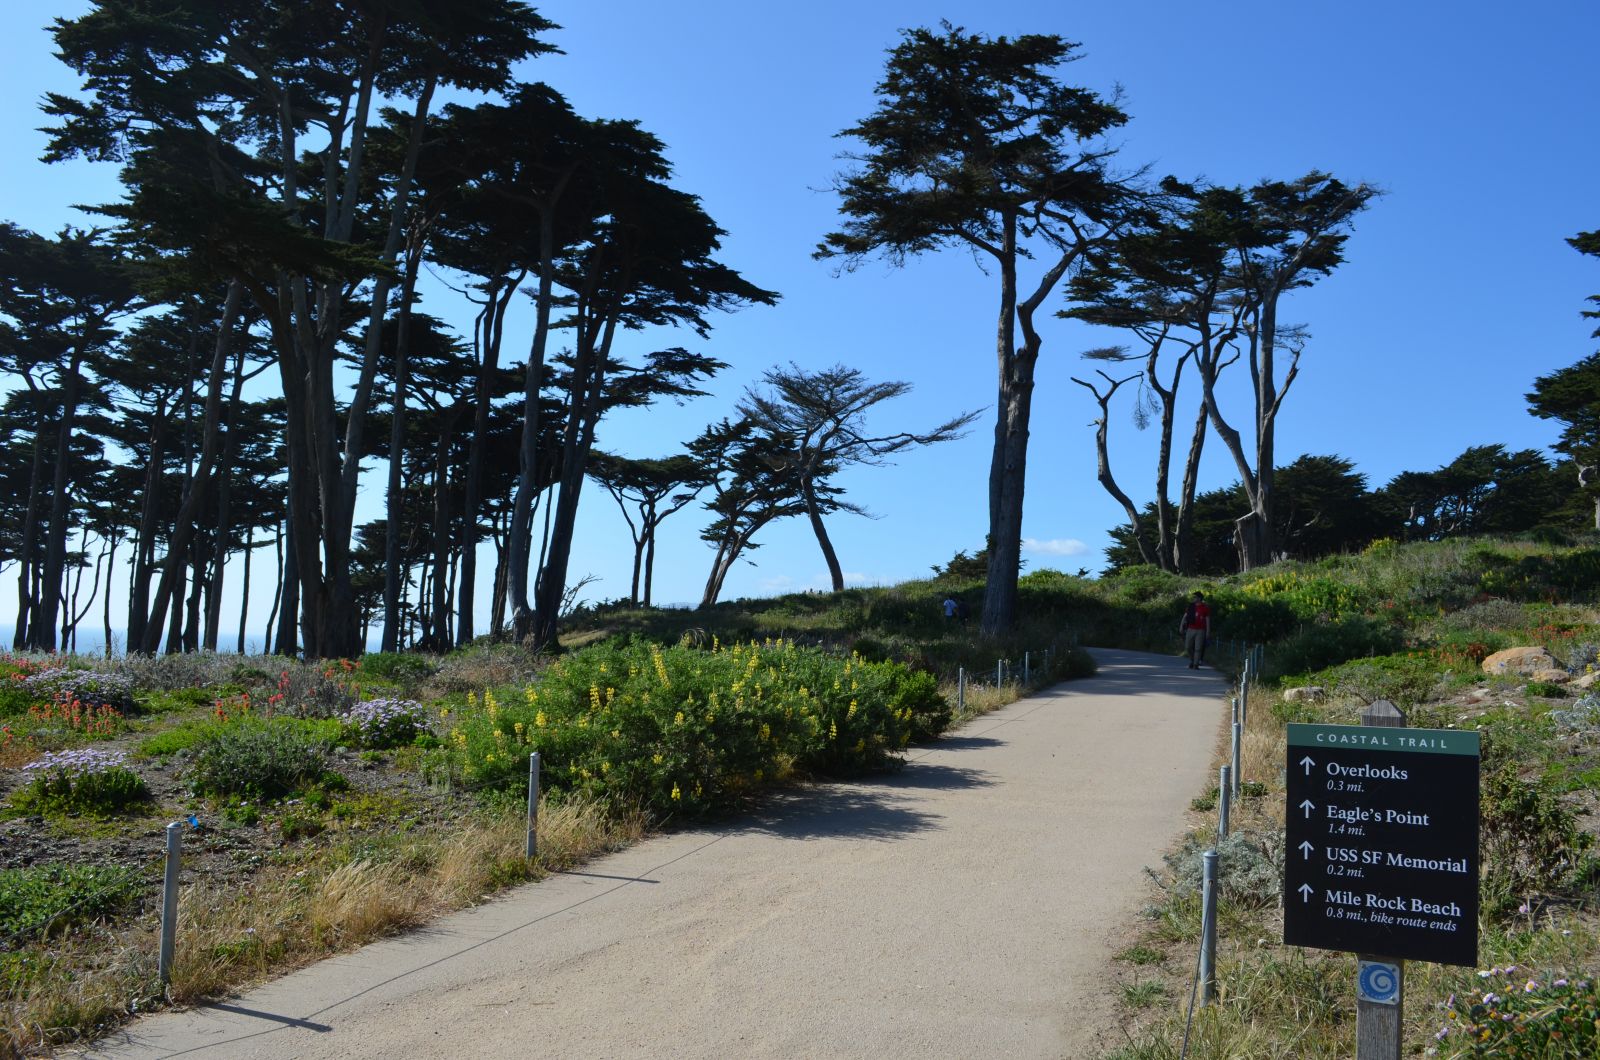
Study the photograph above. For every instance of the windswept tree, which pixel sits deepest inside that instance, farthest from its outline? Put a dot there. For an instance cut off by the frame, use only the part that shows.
(753, 484)
(647, 491)
(976, 144)
(649, 261)
(1571, 397)
(243, 132)
(60, 300)
(822, 416)
(1289, 235)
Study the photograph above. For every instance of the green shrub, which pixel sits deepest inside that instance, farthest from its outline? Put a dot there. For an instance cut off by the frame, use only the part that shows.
(382, 723)
(401, 668)
(1562, 575)
(1545, 689)
(1531, 842)
(1517, 1012)
(52, 897)
(1325, 644)
(86, 781)
(1404, 680)
(685, 730)
(264, 759)
(1248, 873)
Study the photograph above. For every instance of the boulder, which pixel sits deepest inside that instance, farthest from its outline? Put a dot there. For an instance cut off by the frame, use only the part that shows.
(1550, 676)
(1307, 694)
(1586, 681)
(1519, 661)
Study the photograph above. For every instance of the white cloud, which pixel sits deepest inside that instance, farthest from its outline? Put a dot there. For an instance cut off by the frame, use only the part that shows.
(1056, 546)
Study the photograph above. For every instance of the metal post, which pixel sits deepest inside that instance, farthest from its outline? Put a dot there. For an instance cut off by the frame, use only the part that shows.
(533, 804)
(1224, 802)
(999, 673)
(1378, 1025)
(1208, 930)
(1238, 740)
(169, 902)
(1027, 667)
(961, 690)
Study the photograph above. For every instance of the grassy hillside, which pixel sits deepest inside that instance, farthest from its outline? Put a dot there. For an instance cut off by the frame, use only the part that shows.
(345, 800)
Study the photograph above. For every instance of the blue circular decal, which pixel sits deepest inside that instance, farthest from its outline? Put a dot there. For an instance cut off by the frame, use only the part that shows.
(1379, 981)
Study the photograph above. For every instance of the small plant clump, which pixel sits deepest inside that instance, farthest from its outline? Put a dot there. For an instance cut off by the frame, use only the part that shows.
(45, 898)
(82, 781)
(1518, 1014)
(261, 758)
(90, 689)
(376, 724)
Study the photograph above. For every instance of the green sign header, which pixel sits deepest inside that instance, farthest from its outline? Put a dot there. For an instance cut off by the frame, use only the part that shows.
(1379, 738)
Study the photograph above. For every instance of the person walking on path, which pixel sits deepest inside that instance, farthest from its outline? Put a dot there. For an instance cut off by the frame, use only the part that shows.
(1196, 630)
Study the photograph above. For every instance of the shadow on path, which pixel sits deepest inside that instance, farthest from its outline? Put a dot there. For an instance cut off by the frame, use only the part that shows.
(1127, 673)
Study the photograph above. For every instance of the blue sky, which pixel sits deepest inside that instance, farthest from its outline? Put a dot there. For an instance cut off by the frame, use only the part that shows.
(1478, 120)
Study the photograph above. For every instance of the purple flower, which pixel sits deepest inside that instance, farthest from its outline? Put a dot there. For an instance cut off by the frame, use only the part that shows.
(81, 763)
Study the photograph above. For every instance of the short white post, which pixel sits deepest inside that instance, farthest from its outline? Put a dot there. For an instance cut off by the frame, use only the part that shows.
(533, 804)
(999, 673)
(961, 690)
(1027, 667)
(1208, 930)
(169, 902)
(1238, 739)
(1224, 801)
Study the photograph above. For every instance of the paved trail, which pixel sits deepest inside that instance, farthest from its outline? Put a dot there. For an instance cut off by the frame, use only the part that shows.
(965, 907)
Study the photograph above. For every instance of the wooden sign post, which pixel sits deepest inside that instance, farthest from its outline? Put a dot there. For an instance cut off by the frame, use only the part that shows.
(1382, 855)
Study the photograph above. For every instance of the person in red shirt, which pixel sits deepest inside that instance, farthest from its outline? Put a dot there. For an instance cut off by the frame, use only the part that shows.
(1196, 630)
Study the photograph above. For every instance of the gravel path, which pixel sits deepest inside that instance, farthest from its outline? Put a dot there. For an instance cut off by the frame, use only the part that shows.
(967, 906)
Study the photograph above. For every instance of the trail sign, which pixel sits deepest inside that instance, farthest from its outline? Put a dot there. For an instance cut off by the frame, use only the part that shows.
(1382, 842)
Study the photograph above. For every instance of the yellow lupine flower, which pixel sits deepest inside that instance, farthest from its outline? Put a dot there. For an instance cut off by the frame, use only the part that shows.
(676, 794)
(833, 730)
(594, 697)
(656, 759)
(851, 712)
(766, 731)
(539, 719)
(861, 745)
(519, 728)
(679, 719)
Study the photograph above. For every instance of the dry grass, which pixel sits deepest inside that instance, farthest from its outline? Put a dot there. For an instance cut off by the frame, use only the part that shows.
(230, 937)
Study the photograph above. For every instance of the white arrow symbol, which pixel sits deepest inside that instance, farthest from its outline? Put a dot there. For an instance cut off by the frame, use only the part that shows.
(1305, 892)
(1307, 805)
(1305, 850)
(1308, 763)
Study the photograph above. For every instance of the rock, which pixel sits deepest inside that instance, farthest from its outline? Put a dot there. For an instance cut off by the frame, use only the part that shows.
(1307, 694)
(1519, 661)
(1550, 676)
(1586, 681)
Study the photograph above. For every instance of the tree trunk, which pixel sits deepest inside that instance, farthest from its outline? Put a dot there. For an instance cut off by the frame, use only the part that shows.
(438, 639)
(30, 543)
(808, 494)
(1182, 552)
(395, 500)
(186, 527)
(522, 615)
(244, 589)
(191, 633)
(284, 643)
(482, 399)
(42, 631)
(105, 614)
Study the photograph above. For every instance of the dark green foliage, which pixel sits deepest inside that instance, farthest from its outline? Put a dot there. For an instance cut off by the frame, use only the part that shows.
(99, 794)
(1558, 576)
(401, 668)
(1316, 647)
(260, 759)
(1531, 842)
(53, 897)
(1404, 680)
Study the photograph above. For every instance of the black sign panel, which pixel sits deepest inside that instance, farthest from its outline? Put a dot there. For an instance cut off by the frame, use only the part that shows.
(1382, 851)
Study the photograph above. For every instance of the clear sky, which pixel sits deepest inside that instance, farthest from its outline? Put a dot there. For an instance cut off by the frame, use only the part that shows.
(1477, 119)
